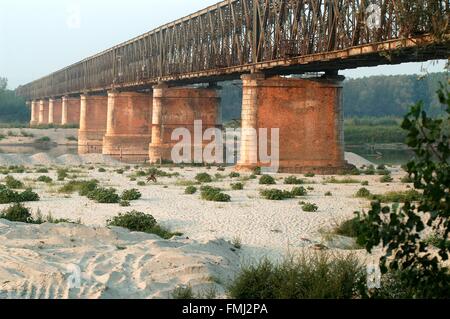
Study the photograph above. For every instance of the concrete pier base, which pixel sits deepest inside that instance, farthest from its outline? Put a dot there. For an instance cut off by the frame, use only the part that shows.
(93, 118)
(55, 111)
(308, 114)
(34, 113)
(70, 111)
(43, 112)
(128, 132)
(175, 108)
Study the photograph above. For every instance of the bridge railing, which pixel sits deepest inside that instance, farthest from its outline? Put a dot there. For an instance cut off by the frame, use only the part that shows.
(235, 33)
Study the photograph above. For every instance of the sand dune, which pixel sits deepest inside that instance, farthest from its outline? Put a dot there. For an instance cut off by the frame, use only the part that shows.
(43, 262)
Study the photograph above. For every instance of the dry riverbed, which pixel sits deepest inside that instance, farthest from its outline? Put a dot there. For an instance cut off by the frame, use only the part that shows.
(117, 263)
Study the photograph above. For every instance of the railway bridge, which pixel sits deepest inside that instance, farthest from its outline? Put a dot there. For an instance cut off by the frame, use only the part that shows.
(128, 100)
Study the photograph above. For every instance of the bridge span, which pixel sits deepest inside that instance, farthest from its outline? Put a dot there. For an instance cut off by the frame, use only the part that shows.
(129, 98)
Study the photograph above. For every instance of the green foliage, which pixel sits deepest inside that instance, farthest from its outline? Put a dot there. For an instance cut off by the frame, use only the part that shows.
(350, 228)
(13, 183)
(203, 178)
(257, 171)
(235, 175)
(299, 191)
(398, 197)
(124, 203)
(407, 180)
(183, 293)
(309, 207)
(267, 180)
(43, 140)
(13, 109)
(386, 179)
(42, 170)
(104, 196)
(276, 194)
(319, 276)
(17, 213)
(421, 272)
(310, 175)
(190, 190)
(45, 179)
(363, 193)
(141, 183)
(140, 222)
(334, 180)
(293, 180)
(9, 196)
(28, 196)
(101, 170)
(328, 194)
(237, 186)
(131, 194)
(213, 194)
(62, 174)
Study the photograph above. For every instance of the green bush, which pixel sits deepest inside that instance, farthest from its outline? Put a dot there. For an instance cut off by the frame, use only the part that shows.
(407, 180)
(292, 180)
(9, 196)
(350, 228)
(237, 186)
(13, 183)
(299, 191)
(213, 194)
(235, 175)
(86, 187)
(334, 180)
(124, 203)
(141, 183)
(101, 170)
(130, 195)
(17, 213)
(386, 179)
(320, 276)
(309, 207)
(398, 197)
(82, 187)
(62, 174)
(140, 222)
(276, 194)
(328, 194)
(257, 171)
(104, 196)
(29, 196)
(44, 179)
(190, 190)
(310, 175)
(183, 293)
(203, 178)
(267, 180)
(363, 193)
(42, 171)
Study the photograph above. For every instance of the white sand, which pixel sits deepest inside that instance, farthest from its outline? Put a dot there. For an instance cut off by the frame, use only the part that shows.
(39, 262)
(33, 258)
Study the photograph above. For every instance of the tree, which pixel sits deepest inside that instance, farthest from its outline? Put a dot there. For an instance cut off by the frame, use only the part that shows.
(3, 83)
(400, 230)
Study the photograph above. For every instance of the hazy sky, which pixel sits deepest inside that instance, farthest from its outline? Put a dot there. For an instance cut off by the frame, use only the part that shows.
(39, 37)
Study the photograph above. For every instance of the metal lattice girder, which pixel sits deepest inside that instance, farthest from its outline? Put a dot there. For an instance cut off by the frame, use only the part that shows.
(235, 36)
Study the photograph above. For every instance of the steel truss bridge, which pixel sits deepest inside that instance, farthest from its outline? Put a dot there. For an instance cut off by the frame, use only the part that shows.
(277, 37)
